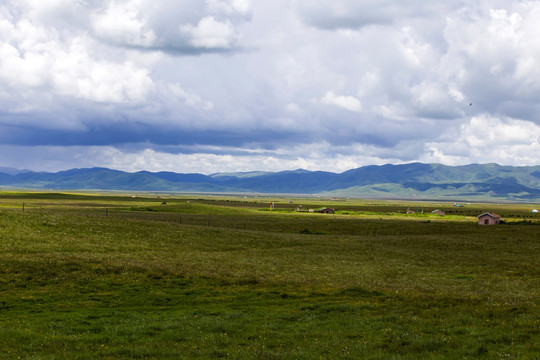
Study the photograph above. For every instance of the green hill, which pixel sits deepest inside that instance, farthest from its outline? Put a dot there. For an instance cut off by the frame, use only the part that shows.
(415, 180)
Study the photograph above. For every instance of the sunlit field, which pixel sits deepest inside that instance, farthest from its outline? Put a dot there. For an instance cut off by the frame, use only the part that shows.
(124, 276)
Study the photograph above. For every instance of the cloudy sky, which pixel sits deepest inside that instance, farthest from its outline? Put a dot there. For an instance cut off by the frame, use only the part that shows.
(237, 85)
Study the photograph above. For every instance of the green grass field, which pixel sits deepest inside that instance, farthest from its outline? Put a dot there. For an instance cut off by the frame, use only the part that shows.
(107, 276)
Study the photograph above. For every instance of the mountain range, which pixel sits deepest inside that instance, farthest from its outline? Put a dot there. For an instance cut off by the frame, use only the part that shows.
(414, 180)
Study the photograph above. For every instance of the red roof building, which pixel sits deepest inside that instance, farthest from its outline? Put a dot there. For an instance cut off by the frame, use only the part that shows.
(488, 218)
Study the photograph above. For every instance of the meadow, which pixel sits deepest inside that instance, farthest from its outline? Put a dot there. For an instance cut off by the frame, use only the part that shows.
(121, 276)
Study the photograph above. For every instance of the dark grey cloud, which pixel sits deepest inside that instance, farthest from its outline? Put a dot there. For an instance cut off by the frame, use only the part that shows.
(344, 14)
(350, 14)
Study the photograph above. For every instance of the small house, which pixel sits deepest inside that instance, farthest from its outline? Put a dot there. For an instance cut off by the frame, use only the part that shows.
(488, 218)
(438, 212)
(326, 210)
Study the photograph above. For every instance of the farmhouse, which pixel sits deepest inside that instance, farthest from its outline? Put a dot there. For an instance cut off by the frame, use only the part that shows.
(488, 218)
(438, 212)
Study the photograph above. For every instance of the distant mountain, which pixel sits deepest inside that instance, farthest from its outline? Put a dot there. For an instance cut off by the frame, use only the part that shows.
(415, 180)
(12, 171)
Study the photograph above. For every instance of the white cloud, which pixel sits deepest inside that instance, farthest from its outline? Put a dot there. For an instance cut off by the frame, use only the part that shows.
(34, 58)
(189, 98)
(178, 27)
(486, 139)
(487, 132)
(121, 23)
(211, 34)
(50, 158)
(346, 102)
(491, 57)
(51, 13)
(229, 7)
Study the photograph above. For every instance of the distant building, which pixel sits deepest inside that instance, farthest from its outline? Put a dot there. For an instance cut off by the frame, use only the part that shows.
(326, 210)
(488, 218)
(409, 211)
(438, 212)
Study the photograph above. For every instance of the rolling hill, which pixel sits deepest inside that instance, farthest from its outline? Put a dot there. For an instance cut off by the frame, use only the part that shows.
(414, 180)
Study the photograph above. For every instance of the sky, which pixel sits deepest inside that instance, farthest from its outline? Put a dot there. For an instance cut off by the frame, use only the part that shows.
(213, 86)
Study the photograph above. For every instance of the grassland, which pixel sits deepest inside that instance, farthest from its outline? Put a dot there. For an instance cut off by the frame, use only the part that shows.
(87, 276)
